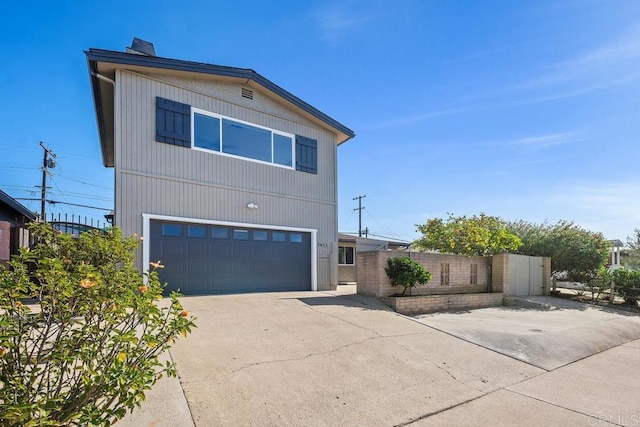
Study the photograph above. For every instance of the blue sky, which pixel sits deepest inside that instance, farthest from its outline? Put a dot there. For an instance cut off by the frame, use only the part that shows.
(525, 110)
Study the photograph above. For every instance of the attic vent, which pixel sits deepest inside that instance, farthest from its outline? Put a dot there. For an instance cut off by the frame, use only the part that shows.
(247, 93)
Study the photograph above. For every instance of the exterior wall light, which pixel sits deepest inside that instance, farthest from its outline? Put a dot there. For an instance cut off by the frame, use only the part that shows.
(252, 206)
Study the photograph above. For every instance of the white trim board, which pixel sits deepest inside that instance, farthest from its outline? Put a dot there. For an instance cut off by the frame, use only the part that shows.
(146, 233)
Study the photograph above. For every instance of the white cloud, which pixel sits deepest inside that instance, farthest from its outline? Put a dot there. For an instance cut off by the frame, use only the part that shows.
(414, 118)
(543, 141)
(335, 23)
(603, 67)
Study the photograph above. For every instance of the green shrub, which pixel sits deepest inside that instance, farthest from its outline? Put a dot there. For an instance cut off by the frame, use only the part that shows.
(406, 272)
(88, 350)
(596, 282)
(627, 285)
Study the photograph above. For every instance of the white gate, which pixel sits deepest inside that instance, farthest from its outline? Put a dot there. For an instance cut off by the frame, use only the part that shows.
(526, 275)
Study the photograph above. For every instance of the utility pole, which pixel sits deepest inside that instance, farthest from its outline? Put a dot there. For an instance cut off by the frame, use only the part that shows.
(359, 209)
(46, 164)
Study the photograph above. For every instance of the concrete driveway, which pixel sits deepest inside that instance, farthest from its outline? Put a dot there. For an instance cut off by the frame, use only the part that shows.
(335, 359)
(546, 332)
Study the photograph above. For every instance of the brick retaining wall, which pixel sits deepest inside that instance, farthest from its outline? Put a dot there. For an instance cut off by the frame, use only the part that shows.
(411, 306)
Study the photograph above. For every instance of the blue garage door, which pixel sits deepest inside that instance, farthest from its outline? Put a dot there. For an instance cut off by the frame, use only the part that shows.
(212, 259)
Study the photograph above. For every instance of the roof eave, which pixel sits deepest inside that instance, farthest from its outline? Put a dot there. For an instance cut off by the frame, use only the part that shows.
(107, 154)
(98, 55)
(17, 206)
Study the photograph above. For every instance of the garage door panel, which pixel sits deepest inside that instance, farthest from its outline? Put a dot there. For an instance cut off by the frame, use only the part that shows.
(172, 248)
(217, 259)
(197, 267)
(198, 248)
(220, 249)
(262, 250)
(241, 251)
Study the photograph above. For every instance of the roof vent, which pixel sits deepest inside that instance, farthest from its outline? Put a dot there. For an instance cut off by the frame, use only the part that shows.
(247, 93)
(141, 47)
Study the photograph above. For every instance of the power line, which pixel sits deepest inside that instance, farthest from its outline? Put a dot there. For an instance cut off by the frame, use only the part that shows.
(57, 202)
(84, 182)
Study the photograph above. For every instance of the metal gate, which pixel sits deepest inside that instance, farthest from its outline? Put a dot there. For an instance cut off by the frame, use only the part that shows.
(526, 275)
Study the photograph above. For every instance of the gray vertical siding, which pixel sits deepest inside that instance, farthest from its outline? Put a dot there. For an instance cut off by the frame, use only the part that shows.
(157, 178)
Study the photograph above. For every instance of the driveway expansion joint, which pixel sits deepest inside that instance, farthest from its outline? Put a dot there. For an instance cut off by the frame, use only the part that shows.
(320, 353)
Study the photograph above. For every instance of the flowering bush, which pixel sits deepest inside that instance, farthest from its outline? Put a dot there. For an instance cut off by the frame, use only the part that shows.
(81, 330)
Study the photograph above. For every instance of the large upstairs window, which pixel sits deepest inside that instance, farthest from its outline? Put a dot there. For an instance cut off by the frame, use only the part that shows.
(213, 132)
(184, 126)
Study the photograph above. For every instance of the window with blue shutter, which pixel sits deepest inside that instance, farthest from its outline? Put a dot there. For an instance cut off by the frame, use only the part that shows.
(306, 154)
(173, 122)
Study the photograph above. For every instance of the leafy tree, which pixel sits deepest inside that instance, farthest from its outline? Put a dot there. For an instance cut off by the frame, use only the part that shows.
(475, 236)
(574, 250)
(88, 350)
(406, 272)
(633, 242)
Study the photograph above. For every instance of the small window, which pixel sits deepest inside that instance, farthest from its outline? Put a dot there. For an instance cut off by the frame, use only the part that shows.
(474, 274)
(346, 255)
(444, 274)
(279, 236)
(206, 132)
(260, 235)
(196, 231)
(172, 230)
(295, 238)
(240, 234)
(282, 150)
(219, 233)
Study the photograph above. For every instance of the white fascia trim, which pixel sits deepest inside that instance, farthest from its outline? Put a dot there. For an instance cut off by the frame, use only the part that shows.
(146, 233)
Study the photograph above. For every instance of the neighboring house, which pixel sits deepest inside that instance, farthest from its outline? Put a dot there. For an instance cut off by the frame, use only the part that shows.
(615, 252)
(349, 246)
(13, 219)
(230, 178)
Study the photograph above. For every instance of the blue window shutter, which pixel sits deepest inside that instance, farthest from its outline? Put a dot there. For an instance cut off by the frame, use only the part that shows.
(173, 122)
(306, 154)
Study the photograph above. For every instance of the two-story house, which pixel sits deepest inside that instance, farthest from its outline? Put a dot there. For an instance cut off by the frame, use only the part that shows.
(230, 179)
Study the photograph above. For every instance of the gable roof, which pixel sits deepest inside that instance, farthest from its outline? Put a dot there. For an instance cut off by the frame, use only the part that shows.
(16, 206)
(101, 61)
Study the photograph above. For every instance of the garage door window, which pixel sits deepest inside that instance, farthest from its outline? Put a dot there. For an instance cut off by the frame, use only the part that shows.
(278, 236)
(240, 234)
(295, 238)
(196, 231)
(260, 235)
(219, 233)
(171, 230)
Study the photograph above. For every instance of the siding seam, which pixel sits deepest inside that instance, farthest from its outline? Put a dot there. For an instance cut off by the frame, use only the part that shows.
(225, 187)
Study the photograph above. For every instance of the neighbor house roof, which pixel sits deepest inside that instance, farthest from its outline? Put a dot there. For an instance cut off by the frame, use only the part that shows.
(617, 243)
(343, 237)
(16, 206)
(102, 63)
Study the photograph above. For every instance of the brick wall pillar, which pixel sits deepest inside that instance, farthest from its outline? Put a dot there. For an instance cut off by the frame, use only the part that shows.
(500, 274)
